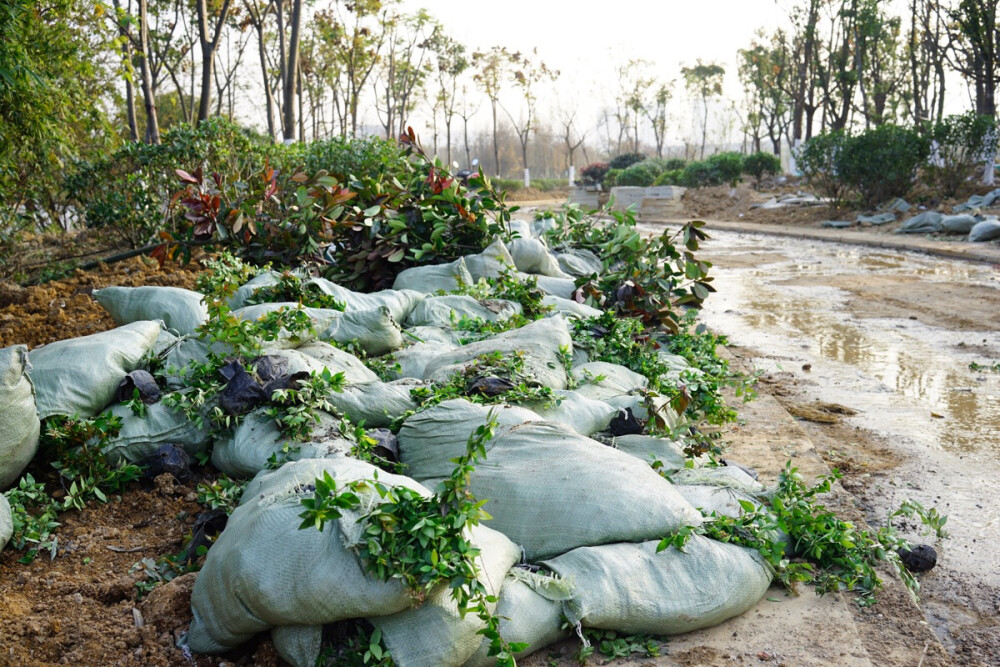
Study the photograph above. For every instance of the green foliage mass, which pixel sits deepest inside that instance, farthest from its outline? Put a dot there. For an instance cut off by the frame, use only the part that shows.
(420, 540)
(870, 167)
(760, 165)
(963, 144)
(804, 541)
(648, 278)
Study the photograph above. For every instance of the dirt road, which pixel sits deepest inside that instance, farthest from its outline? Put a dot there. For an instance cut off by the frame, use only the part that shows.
(891, 335)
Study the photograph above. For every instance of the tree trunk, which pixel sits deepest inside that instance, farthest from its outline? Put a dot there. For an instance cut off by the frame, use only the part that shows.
(152, 124)
(468, 155)
(209, 45)
(133, 123)
(496, 145)
(268, 95)
(292, 73)
(704, 129)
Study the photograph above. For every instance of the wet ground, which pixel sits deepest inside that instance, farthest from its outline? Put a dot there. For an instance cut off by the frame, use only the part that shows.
(891, 335)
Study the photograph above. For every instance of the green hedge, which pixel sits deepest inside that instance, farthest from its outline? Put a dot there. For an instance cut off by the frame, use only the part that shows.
(870, 167)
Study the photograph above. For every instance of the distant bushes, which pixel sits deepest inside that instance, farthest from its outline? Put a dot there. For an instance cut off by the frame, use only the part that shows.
(626, 160)
(962, 144)
(724, 168)
(871, 167)
(761, 165)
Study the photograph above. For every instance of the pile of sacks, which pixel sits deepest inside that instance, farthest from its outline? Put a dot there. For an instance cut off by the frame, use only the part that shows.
(575, 519)
(979, 228)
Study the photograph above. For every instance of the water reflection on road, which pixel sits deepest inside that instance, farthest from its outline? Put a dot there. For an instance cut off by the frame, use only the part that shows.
(890, 368)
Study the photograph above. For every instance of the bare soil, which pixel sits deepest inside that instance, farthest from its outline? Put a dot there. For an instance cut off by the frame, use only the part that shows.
(83, 608)
(963, 613)
(60, 309)
(941, 304)
(734, 204)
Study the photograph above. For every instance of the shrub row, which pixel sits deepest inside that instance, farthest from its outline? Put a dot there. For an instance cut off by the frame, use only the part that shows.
(719, 169)
(878, 164)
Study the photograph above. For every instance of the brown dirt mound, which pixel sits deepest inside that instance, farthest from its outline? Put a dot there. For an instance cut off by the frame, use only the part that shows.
(64, 308)
(82, 607)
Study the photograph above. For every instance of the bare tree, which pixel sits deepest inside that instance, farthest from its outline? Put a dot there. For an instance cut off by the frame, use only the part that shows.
(926, 51)
(571, 137)
(704, 81)
(257, 13)
(527, 75)
(404, 68)
(208, 39)
(451, 63)
(491, 72)
(655, 109)
(466, 111)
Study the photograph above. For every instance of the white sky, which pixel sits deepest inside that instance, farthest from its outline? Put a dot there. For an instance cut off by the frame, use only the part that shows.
(586, 39)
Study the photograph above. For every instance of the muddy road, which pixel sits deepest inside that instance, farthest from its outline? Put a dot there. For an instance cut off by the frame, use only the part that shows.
(912, 343)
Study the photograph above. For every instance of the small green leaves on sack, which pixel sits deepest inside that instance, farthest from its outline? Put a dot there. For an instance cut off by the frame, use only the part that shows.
(291, 287)
(802, 541)
(422, 540)
(647, 278)
(221, 493)
(490, 378)
(296, 410)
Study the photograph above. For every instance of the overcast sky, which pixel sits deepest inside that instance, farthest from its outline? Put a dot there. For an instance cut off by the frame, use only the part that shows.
(585, 40)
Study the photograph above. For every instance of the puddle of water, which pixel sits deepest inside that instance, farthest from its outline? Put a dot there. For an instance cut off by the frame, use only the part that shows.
(911, 360)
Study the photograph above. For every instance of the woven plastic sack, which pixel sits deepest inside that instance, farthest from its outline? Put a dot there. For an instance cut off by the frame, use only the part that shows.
(579, 263)
(560, 287)
(987, 230)
(413, 360)
(141, 436)
(569, 307)
(373, 330)
(19, 425)
(583, 415)
(451, 338)
(364, 397)
(435, 278)
(298, 645)
(603, 381)
(547, 485)
(491, 262)
(631, 589)
(530, 612)
(399, 302)
(315, 356)
(180, 309)
(432, 437)
(6, 522)
(540, 342)
(250, 446)
(958, 224)
(531, 256)
(446, 311)
(435, 634)
(649, 448)
(263, 571)
(81, 375)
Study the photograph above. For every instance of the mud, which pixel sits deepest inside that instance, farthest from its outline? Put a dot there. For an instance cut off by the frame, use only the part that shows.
(63, 308)
(890, 335)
